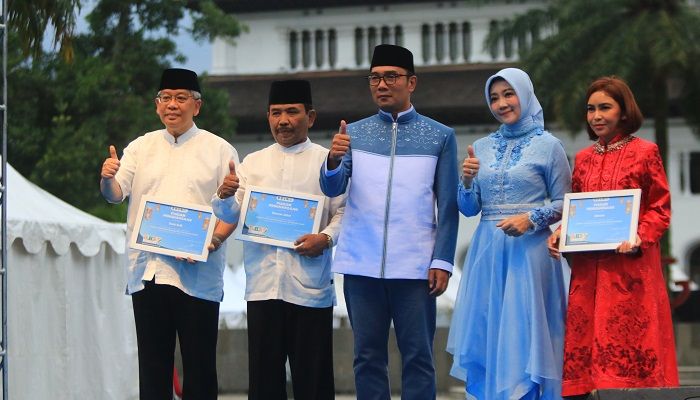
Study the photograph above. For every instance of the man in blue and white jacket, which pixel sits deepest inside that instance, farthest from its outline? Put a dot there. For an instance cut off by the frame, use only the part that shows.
(397, 241)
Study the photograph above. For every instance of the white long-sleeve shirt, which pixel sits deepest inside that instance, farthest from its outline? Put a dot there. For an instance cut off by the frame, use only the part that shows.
(279, 273)
(186, 169)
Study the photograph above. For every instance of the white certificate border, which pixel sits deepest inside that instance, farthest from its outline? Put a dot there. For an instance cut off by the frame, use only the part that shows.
(202, 256)
(634, 220)
(278, 192)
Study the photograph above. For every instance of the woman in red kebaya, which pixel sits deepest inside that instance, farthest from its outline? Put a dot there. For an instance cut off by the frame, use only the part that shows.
(618, 325)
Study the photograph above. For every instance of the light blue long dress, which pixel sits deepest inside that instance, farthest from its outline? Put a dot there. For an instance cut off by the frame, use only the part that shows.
(507, 329)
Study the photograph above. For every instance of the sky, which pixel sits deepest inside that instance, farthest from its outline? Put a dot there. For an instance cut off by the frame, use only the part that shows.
(198, 54)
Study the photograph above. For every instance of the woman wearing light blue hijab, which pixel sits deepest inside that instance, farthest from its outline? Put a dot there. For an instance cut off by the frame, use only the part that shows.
(507, 329)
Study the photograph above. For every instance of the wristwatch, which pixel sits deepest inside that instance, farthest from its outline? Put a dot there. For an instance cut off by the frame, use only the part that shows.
(329, 240)
(216, 241)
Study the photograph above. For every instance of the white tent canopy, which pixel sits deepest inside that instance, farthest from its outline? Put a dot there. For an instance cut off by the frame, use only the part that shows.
(71, 333)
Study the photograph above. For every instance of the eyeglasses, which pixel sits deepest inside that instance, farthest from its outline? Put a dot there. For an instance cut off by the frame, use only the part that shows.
(166, 98)
(389, 79)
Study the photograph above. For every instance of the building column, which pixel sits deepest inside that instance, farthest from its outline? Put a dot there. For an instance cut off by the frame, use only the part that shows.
(346, 48)
(480, 28)
(412, 41)
(459, 43)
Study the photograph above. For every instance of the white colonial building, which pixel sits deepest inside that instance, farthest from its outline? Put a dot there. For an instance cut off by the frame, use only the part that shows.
(330, 43)
(317, 37)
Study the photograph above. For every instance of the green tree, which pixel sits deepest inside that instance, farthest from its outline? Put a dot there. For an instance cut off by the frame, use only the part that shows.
(64, 115)
(653, 44)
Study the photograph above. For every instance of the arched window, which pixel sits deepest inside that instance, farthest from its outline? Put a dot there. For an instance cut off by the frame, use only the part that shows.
(466, 40)
(359, 48)
(440, 42)
(371, 41)
(425, 41)
(495, 48)
(398, 35)
(452, 35)
(681, 160)
(293, 49)
(319, 48)
(694, 172)
(332, 47)
(306, 49)
(508, 44)
(522, 42)
(386, 35)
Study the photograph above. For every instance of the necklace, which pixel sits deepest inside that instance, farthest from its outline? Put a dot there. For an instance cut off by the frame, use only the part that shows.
(600, 149)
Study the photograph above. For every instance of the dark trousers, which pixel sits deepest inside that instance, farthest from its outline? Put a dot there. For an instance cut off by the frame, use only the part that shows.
(161, 312)
(278, 330)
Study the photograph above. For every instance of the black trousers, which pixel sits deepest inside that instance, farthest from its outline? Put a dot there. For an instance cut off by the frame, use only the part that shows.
(161, 312)
(278, 330)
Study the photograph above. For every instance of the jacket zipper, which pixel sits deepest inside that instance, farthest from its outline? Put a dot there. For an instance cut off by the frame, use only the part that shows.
(394, 135)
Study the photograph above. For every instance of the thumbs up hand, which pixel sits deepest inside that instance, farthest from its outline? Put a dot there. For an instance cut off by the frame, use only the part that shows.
(111, 164)
(339, 147)
(470, 167)
(230, 185)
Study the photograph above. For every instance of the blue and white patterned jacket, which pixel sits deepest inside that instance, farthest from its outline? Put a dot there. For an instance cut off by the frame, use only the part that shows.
(401, 214)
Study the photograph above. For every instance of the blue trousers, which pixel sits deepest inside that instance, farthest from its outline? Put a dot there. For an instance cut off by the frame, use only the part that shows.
(372, 305)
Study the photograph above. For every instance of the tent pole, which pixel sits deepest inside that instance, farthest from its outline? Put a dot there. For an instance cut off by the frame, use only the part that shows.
(3, 193)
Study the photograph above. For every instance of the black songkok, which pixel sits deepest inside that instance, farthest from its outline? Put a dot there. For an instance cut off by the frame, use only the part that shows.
(178, 78)
(290, 92)
(391, 55)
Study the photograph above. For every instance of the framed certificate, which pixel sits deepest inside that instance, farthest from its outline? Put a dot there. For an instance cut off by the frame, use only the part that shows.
(174, 229)
(278, 217)
(599, 220)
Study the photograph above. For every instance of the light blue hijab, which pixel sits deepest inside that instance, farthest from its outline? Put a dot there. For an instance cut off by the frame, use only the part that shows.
(531, 115)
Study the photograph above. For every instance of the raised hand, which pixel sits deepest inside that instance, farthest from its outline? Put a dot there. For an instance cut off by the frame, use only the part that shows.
(111, 164)
(470, 167)
(339, 146)
(230, 185)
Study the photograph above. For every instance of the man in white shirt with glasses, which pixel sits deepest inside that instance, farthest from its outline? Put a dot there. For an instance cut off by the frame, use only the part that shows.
(173, 296)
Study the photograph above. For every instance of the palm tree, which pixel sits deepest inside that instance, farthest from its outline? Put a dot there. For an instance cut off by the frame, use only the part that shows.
(653, 44)
(31, 19)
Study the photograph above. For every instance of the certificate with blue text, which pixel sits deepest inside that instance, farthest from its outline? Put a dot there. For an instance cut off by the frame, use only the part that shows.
(599, 220)
(174, 229)
(278, 217)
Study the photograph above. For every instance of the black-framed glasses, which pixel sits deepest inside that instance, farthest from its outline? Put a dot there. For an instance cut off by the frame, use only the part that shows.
(389, 79)
(167, 98)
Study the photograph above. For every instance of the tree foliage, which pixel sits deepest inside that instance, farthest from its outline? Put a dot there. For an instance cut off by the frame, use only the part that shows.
(31, 19)
(64, 115)
(653, 44)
